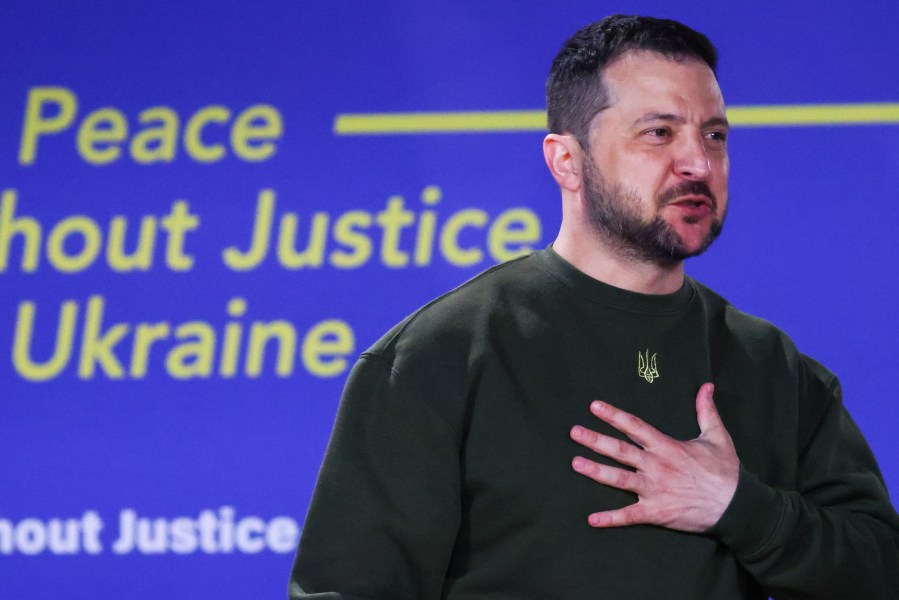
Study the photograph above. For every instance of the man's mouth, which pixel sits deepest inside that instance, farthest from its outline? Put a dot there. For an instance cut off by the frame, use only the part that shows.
(694, 208)
(694, 195)
(695, 201)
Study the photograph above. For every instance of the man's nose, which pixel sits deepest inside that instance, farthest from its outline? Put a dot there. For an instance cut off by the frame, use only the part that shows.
(692, 161)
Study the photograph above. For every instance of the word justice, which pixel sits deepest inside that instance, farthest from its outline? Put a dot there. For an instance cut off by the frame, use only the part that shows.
(459, 238)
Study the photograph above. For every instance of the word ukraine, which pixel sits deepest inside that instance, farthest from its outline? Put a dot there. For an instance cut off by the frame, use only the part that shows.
(189, 350)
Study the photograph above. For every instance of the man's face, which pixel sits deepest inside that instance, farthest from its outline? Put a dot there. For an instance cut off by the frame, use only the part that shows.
(655, 179)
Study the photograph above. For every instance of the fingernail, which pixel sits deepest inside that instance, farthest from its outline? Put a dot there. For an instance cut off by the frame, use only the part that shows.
(577, 431)
(597, 406)
(578, 463)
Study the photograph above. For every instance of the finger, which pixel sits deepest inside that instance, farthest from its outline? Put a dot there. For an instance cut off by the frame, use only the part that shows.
(707, 415)
(620, 450)
(622, 517)
(633, 427)
(611, 476)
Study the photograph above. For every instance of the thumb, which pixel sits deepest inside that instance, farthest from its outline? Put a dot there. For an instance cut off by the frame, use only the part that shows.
(706, 413)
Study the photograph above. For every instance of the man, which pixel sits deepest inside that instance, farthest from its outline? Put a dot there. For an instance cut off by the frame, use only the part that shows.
(464, 462)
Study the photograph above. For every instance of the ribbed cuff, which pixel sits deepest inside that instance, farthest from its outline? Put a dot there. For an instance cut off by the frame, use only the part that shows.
(751, 519)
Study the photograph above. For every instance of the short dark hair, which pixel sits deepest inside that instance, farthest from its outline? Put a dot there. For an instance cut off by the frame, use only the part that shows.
(575, 91)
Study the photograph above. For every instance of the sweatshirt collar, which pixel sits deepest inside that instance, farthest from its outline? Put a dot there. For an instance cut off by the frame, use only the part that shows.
(603, 293)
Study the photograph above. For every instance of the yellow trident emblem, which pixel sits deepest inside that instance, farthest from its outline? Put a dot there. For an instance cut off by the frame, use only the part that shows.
(646, 366)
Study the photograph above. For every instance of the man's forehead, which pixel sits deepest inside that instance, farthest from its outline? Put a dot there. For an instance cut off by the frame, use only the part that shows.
(639, 59)
(651, 83)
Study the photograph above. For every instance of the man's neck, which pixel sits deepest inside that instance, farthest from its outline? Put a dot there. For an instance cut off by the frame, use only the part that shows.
(597, 259)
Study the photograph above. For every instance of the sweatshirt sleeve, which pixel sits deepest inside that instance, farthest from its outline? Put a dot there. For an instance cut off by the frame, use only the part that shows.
(386, 507)
(836, 536)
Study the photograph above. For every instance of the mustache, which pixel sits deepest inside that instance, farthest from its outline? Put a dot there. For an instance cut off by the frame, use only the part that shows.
(697, 188)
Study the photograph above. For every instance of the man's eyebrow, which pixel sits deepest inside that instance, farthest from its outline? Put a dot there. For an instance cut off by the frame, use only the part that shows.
(673, 118)
(650, 117)
(716, 121)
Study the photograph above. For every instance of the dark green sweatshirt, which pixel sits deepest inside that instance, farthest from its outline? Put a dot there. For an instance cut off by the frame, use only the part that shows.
(448, 473)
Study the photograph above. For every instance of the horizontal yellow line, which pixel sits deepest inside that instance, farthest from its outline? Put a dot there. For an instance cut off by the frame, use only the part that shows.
(439, 122)
(785, 115)
(814, 114)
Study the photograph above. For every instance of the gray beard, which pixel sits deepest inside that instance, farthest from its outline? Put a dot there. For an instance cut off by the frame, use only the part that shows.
(614, 214)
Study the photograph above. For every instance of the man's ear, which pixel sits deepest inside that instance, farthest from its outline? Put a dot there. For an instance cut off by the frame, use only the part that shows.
(563, 156)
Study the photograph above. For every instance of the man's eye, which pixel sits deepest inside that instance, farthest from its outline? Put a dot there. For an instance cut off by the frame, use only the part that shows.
(718, 136)
(657, 132)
